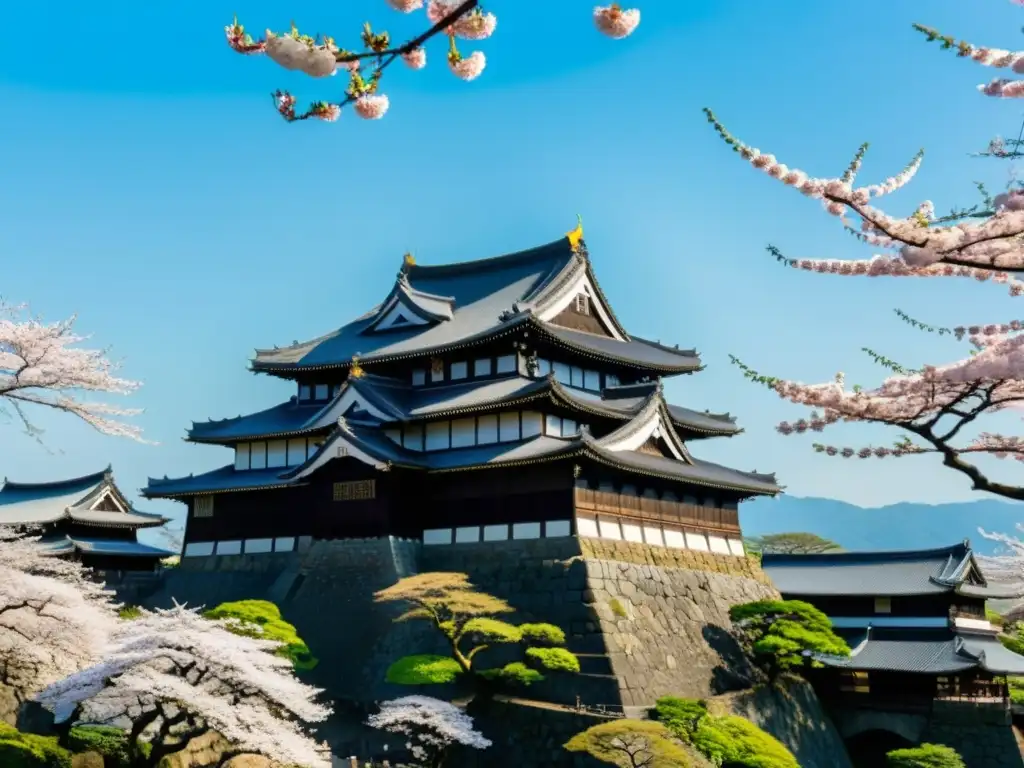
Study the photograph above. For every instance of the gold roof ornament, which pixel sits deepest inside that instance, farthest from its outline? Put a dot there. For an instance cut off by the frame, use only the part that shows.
(355, 370)
(408, 260)
(576, 235)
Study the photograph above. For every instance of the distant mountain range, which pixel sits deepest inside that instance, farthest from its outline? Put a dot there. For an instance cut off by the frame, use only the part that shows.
(898, 526)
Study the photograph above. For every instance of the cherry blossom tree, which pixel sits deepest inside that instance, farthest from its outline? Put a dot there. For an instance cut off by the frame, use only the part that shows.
(431, 726)
(934, 404)
(41, 365)
(54, 618)
(170, 676)
(321, 57)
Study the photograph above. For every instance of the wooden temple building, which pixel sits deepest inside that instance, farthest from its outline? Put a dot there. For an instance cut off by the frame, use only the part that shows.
(915, 622)
(87, 518)
(480, 401)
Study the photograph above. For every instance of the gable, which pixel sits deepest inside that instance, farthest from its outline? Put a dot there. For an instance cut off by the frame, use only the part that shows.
(398, 316)
(580, 315)
(352, 402)
(647, 434)
(579, 307)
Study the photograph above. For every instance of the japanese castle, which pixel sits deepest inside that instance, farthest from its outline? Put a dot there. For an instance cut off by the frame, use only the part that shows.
(915, 622)
(478, 402)
(87, 518)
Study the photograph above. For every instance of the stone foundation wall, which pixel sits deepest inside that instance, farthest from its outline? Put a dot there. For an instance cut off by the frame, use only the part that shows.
(983, 736)
(645, 621)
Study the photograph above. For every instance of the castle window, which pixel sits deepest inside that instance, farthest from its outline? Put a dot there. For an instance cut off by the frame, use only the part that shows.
(592, 381)
(507, 364)
(419, 378)
(202, 506)
(242, 456)
(305, 392)
(482, 367)
(437, 369)
(229, 547)
(611, 380)
(562, 373)
(320, 393)
(582, 304)
(438, 435)
(463, 433)
(296, 451)
(355, 490)
(487, 429)
(883, 605)
(460, 370)
(508, 426)
(258, 455)
(277, 453)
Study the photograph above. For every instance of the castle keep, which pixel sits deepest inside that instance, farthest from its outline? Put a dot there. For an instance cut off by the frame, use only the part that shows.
(484, 401)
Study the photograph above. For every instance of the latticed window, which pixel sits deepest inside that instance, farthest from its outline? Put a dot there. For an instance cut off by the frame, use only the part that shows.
(356, 490)
(202, 506)
(582, 304)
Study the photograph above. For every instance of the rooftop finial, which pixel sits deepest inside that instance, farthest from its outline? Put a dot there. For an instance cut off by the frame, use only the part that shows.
(576, 235)
(355, 370)
(408, 260)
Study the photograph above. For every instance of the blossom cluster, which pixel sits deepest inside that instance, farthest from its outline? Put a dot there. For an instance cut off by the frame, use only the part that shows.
(432, 725)
(213, 679)
(321, 57)
(41, 364)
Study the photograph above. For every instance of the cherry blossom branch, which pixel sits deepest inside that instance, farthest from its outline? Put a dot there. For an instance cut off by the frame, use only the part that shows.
(320, 56)
(41, 365)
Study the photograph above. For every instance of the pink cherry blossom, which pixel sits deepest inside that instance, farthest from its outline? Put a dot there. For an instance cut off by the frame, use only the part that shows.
(441, 9)
(475, 25)
(176, 664)
(467, 67)
(416, 58)
(329, 113)
(616, 22)
(371, 106)
(41, 365)
(406, 6)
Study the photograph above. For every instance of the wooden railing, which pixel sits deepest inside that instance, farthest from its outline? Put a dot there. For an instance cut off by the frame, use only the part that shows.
(649, 507)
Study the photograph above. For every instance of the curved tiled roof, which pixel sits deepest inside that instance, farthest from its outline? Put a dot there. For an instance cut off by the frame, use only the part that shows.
(374, 443)
(934, 652)
(34, 504)
(403, 402)
(882, 574)
(484, 295)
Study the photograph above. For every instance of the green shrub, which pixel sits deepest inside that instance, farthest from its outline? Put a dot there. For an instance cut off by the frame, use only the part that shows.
(681, 716)
(516, 672)
(542, 634)
(925, 756)
(424, 670)
(728, 741)
(112, 743)
(26, 750)
(734, 742)
(555, 659)
(129, 612)
(261, 618)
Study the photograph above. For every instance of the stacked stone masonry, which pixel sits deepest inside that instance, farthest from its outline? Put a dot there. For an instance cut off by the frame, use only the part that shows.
(646, 621)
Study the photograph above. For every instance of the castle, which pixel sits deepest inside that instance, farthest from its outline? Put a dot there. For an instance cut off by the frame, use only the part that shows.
(483, 401)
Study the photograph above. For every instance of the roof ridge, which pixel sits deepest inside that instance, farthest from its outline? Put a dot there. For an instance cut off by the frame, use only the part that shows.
(882, 554)
(490, 262)
(96, 476)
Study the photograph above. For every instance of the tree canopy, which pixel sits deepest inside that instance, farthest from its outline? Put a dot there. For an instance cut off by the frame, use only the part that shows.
(630, 744)
(785, 634)
(925, 756)
(795, 543)
(431, 725)
(465, 617)
(262, 619)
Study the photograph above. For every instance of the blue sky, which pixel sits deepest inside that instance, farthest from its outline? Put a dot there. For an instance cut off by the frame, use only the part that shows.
(150, 187)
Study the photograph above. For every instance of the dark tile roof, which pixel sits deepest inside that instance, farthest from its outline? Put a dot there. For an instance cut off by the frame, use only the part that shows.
(918, 572)
(489, 298)
(934, 652)
(290, 418)
(402, 402)
(92, 546)
(34, 504)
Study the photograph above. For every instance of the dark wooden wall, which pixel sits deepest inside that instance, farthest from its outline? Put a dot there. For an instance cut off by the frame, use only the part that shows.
(649, 504)
(911, 606)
